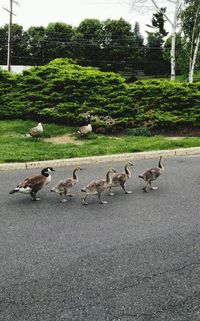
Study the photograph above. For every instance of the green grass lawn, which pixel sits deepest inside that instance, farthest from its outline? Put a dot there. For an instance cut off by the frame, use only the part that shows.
(14, 147)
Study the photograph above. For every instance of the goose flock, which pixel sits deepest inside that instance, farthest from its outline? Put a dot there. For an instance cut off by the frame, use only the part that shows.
(34, 183)
(37, 131)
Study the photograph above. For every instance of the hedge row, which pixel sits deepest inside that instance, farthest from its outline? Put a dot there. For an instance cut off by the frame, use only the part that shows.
(63, 91)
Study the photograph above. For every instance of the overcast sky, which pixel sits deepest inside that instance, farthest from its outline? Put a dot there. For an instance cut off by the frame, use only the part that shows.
(41, 12)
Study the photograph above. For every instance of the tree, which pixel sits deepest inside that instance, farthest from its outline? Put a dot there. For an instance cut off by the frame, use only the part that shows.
(155, 63)
(158, 22)
(138, 37)
(19, 47)
(35, 37)
(175, 6)
(191, 26)
(87, 42)
(3, 44)
(58, 40)
(181, 53)
(118, 44)
(154, 53)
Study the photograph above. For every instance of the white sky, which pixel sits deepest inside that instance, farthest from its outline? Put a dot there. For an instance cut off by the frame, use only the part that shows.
(41, 12)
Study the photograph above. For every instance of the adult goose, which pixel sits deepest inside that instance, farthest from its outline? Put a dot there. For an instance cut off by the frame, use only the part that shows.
(151, 174)
(120, 179)
(35, 131)
(64, 186)
(84, 130)
(98, 187)
(33, 184)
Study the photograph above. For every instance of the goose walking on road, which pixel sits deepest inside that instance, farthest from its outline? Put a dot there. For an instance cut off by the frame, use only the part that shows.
(64, 186)
(33, 184)
(120, 179)
(98, 187)
(151, 174)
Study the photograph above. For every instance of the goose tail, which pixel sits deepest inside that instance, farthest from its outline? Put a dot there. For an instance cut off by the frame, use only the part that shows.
(15, 190)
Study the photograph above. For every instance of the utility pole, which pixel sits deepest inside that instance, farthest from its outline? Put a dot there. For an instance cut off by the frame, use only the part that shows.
(11, 13)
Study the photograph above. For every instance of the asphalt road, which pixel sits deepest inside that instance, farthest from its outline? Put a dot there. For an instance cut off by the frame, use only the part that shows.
(136, 258)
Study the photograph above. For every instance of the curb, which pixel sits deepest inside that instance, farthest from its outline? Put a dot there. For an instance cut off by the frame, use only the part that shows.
(101, 159)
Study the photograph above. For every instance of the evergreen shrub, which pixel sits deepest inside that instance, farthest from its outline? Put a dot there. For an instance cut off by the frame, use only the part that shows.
(63, 91)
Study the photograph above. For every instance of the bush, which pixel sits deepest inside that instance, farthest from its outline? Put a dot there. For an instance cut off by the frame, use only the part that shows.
(62, 91)
(139, 131)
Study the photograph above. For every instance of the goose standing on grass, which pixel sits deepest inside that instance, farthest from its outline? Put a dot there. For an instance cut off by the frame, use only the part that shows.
(151, 174)
(64, 186)
(98, 187)
(120, 179)
(35, 131)
(33, 184)
(84, 130)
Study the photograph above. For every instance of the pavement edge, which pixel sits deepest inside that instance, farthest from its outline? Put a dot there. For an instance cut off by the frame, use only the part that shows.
(101, 159)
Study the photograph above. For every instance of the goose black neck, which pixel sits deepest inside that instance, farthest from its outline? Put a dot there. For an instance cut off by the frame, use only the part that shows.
(127, 170)
(160, 164)
(74, 174)
(88, 119)
(108, 177)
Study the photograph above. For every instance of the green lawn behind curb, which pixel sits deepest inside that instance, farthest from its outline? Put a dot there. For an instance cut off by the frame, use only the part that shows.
(14, 147)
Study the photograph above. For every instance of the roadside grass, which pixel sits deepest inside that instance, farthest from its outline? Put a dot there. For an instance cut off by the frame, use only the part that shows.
(14, 147)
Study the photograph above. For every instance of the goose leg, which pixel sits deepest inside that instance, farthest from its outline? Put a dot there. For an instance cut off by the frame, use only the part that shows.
(84, 200)
(100, 200)
(62, 199)
(109, 192)
(34, 198)
(153, 187)
(126, 192)
(145, 188)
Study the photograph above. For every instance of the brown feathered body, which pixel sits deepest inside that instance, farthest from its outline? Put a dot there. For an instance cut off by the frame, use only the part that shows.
(97, 187)
(64, 186)
(84, 130)
(151, 174)
(35, 131)
(34, 183)
(120, 179)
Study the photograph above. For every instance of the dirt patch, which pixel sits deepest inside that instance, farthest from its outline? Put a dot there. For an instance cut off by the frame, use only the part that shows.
(63, 139)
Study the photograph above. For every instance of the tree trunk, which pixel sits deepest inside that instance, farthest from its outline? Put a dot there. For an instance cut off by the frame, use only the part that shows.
(173, 42)
(194, 58)
(172, 54)
(194, 49)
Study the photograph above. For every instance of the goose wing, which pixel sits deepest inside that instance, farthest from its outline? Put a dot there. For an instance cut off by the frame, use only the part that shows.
(118, 178)
(33, 182)
(101, 185)
(69, 183)
(152, 173)
(34, 131)
(94, 186)
(91, 187)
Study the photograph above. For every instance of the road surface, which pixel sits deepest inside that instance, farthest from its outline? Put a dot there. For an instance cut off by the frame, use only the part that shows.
(136, 258)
